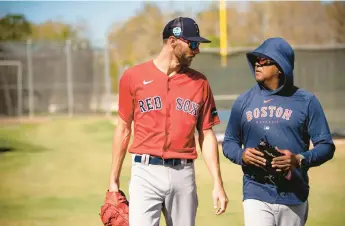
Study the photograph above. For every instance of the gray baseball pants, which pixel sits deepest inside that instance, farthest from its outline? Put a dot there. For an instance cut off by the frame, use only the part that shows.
(259, 213)
(154, 189)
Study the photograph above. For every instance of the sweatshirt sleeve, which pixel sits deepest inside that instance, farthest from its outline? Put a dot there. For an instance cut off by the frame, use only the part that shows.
(232, 144)
(320, 135)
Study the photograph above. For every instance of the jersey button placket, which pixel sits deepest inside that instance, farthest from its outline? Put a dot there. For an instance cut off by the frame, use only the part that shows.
(167, 117)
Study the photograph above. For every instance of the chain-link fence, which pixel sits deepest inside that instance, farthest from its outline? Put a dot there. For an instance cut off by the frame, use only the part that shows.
(318, 69)
(52, 78)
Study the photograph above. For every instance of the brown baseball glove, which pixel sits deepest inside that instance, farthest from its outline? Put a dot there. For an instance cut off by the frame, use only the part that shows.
(114, 211)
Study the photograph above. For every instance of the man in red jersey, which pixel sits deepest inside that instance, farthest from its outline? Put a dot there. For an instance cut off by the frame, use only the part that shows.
(167, 101)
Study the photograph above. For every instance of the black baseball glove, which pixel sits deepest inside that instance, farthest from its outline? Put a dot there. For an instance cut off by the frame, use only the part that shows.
(269, 154)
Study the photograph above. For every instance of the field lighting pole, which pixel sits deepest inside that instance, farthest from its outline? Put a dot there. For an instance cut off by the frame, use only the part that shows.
(69, 77)
(223, 32)
(107, 79)
(30, 77)
(107, 65)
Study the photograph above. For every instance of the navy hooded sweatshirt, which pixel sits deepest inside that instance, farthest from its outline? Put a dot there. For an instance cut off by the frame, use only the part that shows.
(288, 118)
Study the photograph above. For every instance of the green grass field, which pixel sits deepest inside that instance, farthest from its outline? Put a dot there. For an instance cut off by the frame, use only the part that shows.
(56, 173)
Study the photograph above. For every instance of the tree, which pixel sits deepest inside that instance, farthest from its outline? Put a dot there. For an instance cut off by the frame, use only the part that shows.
(336, 19)
(53, 31)
(295, 22)
(139, 37)
(298, 22)
(14, 27)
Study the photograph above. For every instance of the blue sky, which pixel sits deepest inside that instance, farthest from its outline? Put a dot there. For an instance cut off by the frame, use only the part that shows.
(98, 15)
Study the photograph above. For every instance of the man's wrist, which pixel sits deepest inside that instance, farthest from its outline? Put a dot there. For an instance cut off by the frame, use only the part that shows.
(299, 159)
(242, 156)
(218, 183)
(113, 188)
(114, 185)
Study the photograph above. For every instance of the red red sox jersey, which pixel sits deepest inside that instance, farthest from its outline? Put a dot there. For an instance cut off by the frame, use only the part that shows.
(166, 110)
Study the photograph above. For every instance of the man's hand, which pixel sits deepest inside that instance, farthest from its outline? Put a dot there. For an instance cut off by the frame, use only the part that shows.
(219, 197)
(287, 162)
(251, 156)
(209, 147)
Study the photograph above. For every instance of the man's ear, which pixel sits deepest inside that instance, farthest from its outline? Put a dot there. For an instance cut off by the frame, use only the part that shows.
(173, 42)
(281, 76)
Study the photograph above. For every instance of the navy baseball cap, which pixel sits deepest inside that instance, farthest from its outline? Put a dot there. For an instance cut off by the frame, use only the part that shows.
(184, 27)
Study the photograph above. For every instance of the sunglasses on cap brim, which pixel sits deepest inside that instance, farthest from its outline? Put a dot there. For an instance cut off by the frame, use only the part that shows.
(265, 61)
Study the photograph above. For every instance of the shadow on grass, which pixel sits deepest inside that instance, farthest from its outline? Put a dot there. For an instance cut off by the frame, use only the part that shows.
(48, 210)
(5, 149)
(17, 140)
(15, 145)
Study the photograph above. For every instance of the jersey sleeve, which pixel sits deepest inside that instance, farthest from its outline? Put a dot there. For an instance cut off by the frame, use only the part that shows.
(126, 104)
(320, 135)
(208, 115)
(232, 144)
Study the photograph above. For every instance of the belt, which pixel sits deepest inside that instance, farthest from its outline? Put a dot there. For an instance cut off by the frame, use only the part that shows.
(154, 160)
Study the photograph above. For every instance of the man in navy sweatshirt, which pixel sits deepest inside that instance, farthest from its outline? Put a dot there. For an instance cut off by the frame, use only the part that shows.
(288, 118)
